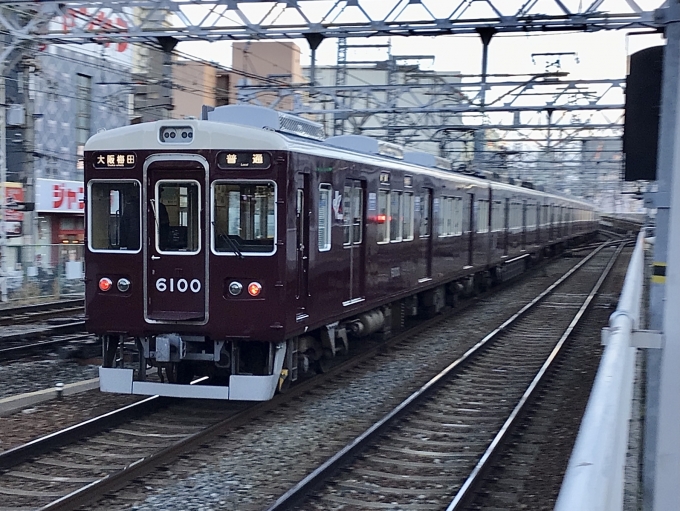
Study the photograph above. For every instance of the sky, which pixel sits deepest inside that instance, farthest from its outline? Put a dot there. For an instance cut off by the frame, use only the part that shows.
(600, 55)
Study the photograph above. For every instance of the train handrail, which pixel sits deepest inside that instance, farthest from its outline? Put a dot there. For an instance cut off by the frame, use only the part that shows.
(595, 476)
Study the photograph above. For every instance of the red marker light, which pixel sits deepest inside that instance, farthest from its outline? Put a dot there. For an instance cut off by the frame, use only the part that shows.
(105, 284)
(381, 219)
(254, 288)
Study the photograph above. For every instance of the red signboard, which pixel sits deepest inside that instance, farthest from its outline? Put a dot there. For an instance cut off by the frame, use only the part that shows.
(14, 194)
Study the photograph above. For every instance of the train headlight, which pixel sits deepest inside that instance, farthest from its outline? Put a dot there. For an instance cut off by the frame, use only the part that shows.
(235, 288)
(123, 285)
(105, 284)
(254, 288)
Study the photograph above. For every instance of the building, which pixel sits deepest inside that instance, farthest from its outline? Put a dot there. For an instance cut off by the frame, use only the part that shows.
(70, 96)
(199, 83)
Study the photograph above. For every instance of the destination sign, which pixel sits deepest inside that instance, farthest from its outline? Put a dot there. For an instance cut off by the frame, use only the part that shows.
(114, 160)
(243, 160)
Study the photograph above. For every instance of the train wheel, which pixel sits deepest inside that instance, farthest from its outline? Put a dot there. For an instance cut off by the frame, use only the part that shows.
(324, 364)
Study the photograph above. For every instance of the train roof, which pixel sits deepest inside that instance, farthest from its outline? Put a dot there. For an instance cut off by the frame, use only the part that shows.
(211, 134)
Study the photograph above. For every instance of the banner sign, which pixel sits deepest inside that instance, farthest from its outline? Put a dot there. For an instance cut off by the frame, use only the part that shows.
(57, 196)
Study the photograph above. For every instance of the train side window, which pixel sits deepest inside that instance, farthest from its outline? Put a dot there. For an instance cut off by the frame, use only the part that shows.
(324, 231)
(382, 235)
(515, 216)
(457, 216)
(451, 218)
(545, 215)
(467, 224)
(397, 220)
(531, 217)
(408, 216)
(425, 214)
(244, 218)
(114, 211)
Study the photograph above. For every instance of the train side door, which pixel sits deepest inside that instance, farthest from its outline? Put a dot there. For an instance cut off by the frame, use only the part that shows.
(506, 227)
(176, 277)
(426, 232)
(524, 225)
(471, 227)
(353, 221)
(302, 215)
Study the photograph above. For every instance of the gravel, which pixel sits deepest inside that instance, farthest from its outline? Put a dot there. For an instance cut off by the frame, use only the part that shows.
(33, 375)
(50, 416)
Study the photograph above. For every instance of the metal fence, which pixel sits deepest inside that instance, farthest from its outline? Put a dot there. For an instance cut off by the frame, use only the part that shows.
(43, 272)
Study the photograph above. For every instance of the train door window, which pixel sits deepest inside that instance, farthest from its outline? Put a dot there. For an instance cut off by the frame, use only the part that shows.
(324, 231)
(425, 214)
(244, 218)
(483, 216)
(114, 209)
(353, 205)
(497, 216)
(177, 210)
(357, 216)
(383, 216)
(347, 216)
(408, 216)
(397, 220)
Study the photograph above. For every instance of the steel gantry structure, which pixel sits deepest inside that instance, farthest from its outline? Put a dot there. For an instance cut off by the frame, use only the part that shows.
(216, 20)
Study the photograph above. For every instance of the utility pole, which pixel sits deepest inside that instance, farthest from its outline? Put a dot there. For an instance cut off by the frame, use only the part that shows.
(29, 65)
(3, 180)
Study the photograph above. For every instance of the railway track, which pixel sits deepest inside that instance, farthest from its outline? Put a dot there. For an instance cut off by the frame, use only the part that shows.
(23, 344)
(22, 337)
(62, 475)
(529, 469)
(431, 451)
(40, 312)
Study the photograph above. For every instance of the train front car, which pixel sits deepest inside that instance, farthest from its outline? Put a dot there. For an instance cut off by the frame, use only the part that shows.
(184, 220)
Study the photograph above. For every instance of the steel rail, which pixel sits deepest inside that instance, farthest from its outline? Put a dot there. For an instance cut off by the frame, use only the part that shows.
(465, 493)
(40, 307)
(15, 351)
(296, 495)
(49, 330)
(71, 434)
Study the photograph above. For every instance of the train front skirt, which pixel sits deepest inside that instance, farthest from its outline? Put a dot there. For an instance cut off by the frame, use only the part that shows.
(241, 387)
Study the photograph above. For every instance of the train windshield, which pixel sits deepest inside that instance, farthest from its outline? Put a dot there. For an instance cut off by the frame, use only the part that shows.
(114, 215)
(244, 218)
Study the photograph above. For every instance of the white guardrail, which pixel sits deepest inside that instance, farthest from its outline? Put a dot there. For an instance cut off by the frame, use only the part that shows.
(594, 480)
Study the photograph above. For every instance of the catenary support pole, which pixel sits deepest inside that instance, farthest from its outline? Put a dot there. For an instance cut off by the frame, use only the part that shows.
(667, 155)
(666, 476)
(486, 34)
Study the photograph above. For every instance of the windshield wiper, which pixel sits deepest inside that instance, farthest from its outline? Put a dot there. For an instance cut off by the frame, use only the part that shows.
(232, 243)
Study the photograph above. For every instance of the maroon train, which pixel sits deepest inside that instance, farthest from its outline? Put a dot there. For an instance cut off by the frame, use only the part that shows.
(247, 249)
